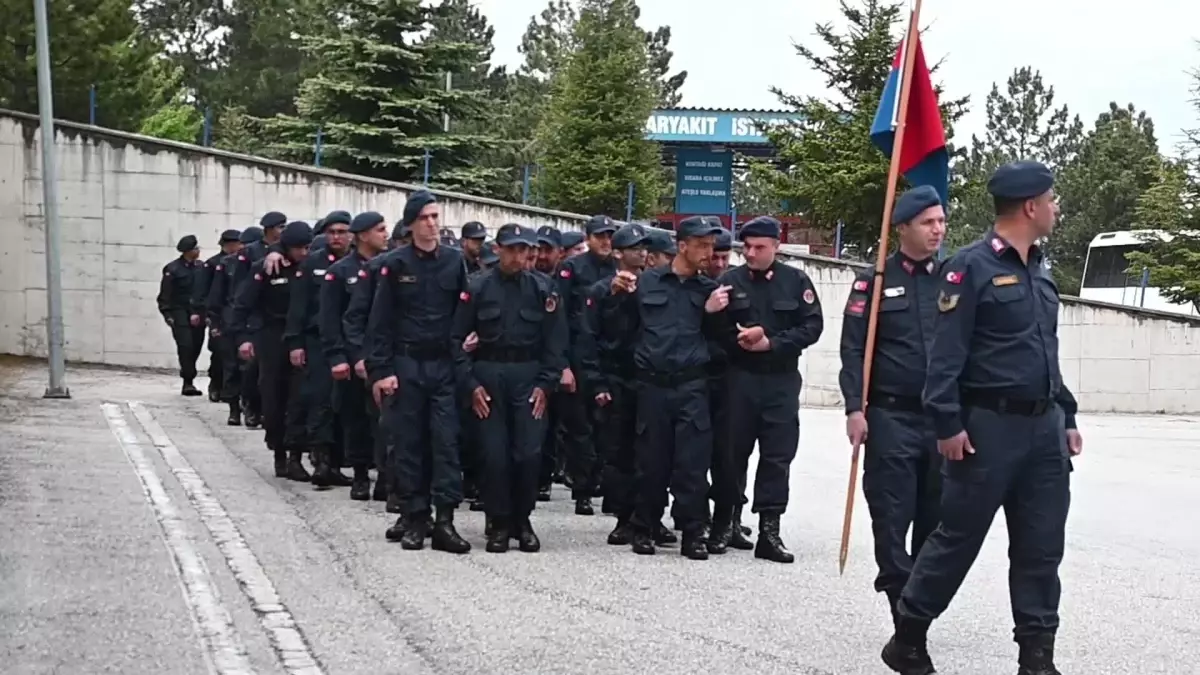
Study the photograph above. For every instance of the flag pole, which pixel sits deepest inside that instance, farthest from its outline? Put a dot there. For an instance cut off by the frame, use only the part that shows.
(909, 57)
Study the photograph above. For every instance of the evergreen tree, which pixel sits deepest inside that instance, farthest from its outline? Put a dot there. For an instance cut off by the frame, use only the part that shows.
(592, 136)
(378, 98)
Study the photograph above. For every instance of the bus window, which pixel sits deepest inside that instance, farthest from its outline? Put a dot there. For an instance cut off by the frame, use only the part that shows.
(1106, 268)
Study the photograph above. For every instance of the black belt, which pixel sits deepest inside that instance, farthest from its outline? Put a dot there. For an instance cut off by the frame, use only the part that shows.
(673, 378)
(886, 401)
(1007, 405)
(506, 354)
(430, 351)
(766, 366)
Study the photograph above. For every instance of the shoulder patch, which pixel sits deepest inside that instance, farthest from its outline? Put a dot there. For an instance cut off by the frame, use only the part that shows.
(552, 303)
(220, 267)
(464, 296)
(809, 296)
(362, 274)
(953, 277)
(565, 273)
(329, 276)
(589, 302)
(299, 273)
(947, 303)
(861, 285)
(856, 306)
(383, 270)
(257, 276)
(242, 258)
(166, 273)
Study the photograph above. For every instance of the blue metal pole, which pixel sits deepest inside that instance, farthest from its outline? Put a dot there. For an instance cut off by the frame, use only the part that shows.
(837, 240)
(629, 203)
(1145, 283)
(733, 228)
(426, 166)
(207, 127)
(92, 105)
(525, 187)
(317, 146)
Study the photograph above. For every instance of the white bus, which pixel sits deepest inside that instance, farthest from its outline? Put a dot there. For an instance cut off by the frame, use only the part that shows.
(1105, 278)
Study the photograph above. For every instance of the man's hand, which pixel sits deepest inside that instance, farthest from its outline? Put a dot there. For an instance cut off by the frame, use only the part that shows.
(748, 337)
(479, 403)
(341, 371)
(718, 300)
(170, 321)
(538, 399)
(194, 320)
(360, 369)
(275, 262)
(956, 447)
(471, 342)
(296, 356)
(603, 399)
(384, 388)
(856, 428)
(246, 351)
(623, 282)
(1074, 442)
(214, 332)
(567, 381)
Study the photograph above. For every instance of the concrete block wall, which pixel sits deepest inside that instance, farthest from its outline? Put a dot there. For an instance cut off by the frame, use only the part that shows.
(125, 200)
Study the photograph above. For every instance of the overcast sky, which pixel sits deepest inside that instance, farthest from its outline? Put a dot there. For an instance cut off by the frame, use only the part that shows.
(1090, 53)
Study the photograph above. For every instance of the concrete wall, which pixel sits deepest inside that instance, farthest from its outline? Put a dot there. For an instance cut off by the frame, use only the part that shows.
(125, 200)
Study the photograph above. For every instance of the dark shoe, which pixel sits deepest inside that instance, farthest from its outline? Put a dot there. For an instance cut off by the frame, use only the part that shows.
(360, 489)
(643, 542)
(295, 467)
(339, 479)
(1037, 655)
(445, 537)
(739, 532)
(190, 389)
(583, 507)
(622, 534)
(470, 492)
(543, 493)
(770, 546)
(694, 547)
(235, 415)
(476, 505)
(415, 527)
(253, 421)
(906, 652)
(380, 493)
(321, 475)
(281, 464)
(719, 535)
(664, 536)
(393, 502)
(214, 396)
(397, 530)
(496, 531)
(527, 539)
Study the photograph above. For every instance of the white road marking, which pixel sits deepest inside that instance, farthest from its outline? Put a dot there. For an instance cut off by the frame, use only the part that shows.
(286, 637)
(222, 647)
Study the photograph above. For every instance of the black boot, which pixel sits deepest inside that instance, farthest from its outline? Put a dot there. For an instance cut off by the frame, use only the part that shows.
(722, 530)
(393, 503)
(281, 464)
(321, 478)
(476, 505)
(445, 537)
(415, 526)
(496, 531)
(622, 534)
(380, 493)
(543, 494)
(360, 488)
(770, 546)
(906, 653)
(663, 536)
(397, 530)
(583, 507)
(235, 415)
(339, 479)
(738, 532)
(295, 467)
(643, 541)
(253, 420)
(694, 547)
(527, 539)
(1037, 655)
(893, 598)
(190, 389)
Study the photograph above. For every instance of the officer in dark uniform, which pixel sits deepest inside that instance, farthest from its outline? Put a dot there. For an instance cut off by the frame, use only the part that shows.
(410, 362)
(577, 275)
(607, 372)
(203, 284)
(302, 338)
(234, 390)
(258, 320)
(1005, 425)
(474, 470)
(272, 227)
(901, 473)
(354, 406)
(549, 251)
(517, 362)
(549, 257)
(660, 249)
(677, 310)
(178, 309)
(778, 316)
(471, 241)
(573, 244)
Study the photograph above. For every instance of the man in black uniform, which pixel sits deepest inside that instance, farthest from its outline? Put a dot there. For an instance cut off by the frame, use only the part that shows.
(272, 224)
(574, 243)
(229, 243)
(257, 325)
(549, 251)
(313, 398)
(234, 389)
(607, 372)
(778, 316)
(471, 241)
(660, 249)
(677, 310)
(1005, 425)
(901, 472)
(410, 362)
(517, 362)
(177, 306)
(353, 403)
(574, 279)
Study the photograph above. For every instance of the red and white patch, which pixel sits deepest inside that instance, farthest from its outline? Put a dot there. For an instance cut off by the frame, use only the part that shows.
(383, 271)
(770, 273)
(589, 302)
(331, 258)
(298, 273)
(856, 307)
(809, 296)
(220, 267)
(166, 273)
(257, 276)
(861, 286)
(242, 258)
(998, 245)
(464, 296)
(953, 277)
(566, 274)
(908, 267)
(329, 276)
(362, 274)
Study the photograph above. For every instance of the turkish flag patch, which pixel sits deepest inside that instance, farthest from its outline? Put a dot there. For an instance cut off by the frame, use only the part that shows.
(464, 296)
(362, 274)
(861, 285)
(383, 271)
(329, 276)
(257, 276)
(566, 274)
(856, 307)
(955, 278)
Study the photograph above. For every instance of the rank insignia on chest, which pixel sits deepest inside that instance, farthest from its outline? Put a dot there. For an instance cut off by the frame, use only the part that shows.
(947, 303)
(552, 303)
(809, 296)
(1005, 280)
(352, 280)
(894, 292)
(279, 280)
(406, 279)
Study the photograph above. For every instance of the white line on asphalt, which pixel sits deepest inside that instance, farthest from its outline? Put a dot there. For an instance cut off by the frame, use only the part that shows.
(285, 635)
(222, 648)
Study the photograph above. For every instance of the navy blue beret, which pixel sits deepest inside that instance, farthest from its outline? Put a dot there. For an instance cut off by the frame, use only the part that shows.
(251, 234)
(512, 234)
(188, 243)
(272, 219)
(416, 202)
(550, 236)
(628, 236)
(365, 221)
(230, 235)
(1021, 180)
(913, 202)
(336, 217)
(296, 233)
(762, 226)
(724, 241)
(319, 227)
(572, 239)
(474, 230)
(600, 225)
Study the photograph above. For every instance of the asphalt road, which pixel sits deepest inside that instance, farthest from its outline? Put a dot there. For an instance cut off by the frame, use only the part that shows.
(139, 534)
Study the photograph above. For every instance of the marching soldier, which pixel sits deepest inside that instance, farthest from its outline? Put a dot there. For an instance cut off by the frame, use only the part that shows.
(472, 241)
(272, 224)
(1005, 425)
(228, 243)
(235, 391)
(549, 258)
(176, 304)
(516, 363)
(901, 472)
(660, 249)
(778, 316)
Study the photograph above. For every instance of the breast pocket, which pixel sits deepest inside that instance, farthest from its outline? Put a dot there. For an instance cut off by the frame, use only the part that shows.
(1007, 306)
(488, 323)
(448, 280)
(892, 313)
(783, 313)
(654, 309)
(529, 324)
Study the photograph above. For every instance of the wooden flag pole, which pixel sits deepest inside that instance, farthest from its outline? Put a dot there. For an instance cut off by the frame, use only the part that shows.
(910, 55)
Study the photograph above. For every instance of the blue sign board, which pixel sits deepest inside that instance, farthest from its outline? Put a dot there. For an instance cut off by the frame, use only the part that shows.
(710, 126)
(703, 180)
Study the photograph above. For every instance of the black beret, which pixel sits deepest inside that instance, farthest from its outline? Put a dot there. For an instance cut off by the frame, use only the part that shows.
(365, 221)
(571, 239)
(762, 226)
(629, 236)
(913, 202)
(512, 234)
(698, 226)
(661, 242)
(416, 202)
(724, 241)
(1021, 180)
(230, 235)
(296, 233)
(400, 230)
(318, 243)
(319, 226)
(474, 230)
(272, 219)
(251, 234)
(550, 236)
(337, 217)
(600, 225)
(188, 243)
